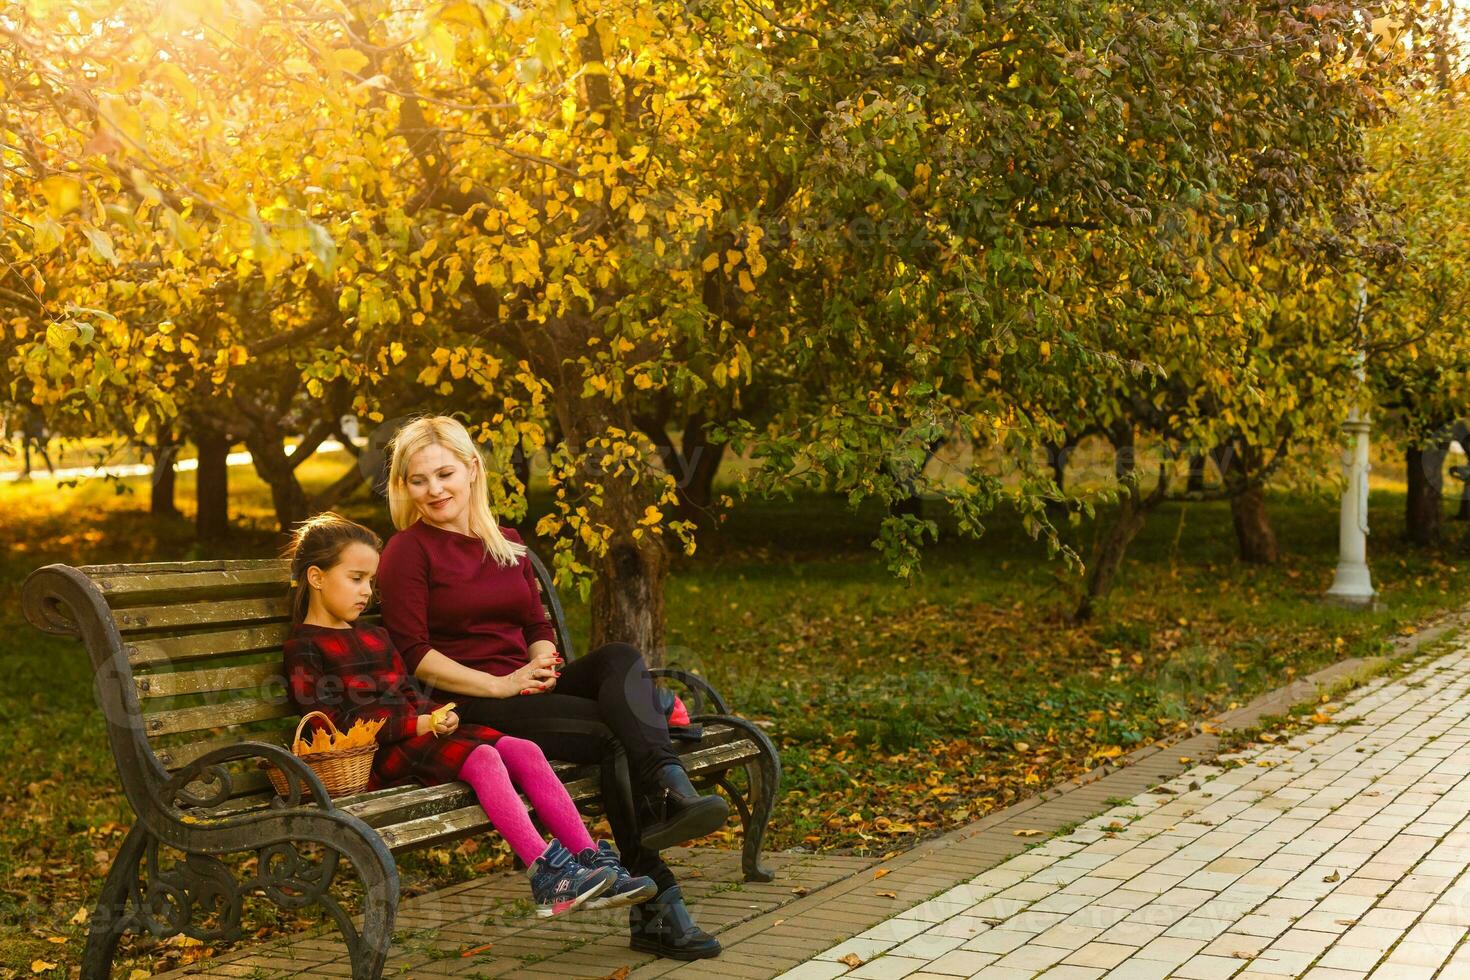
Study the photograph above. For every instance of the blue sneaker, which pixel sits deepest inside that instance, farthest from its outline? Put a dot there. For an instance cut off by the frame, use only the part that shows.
(626, 890)
(560, 884)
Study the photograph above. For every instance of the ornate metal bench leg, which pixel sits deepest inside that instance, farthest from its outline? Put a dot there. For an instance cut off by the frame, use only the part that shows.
(380, 907)
(290, 882)
(112, 917)
(763, 775)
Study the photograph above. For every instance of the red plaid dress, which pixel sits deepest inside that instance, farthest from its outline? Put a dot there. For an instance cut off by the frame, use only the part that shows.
(356, 673)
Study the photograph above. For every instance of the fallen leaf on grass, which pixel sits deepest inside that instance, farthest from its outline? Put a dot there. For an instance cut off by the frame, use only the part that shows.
(1028, 832)
(80, 917)
(56, 939)
(41, 966)
(852, 960)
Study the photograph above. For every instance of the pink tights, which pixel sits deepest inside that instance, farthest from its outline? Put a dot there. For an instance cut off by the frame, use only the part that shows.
(494, 771)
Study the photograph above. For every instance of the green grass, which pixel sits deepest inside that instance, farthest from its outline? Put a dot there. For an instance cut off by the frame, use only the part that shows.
(902, 709)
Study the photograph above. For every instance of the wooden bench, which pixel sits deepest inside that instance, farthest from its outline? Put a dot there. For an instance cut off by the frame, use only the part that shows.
(187, 664)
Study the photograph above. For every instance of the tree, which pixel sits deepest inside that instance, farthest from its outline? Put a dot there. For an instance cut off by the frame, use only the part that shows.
(1418, 303)
(904, 222)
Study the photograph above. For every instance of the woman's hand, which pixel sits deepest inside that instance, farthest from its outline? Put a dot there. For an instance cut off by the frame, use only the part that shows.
(536, 677)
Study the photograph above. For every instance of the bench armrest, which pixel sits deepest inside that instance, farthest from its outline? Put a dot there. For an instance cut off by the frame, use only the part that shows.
(697, 686)
(210, 769)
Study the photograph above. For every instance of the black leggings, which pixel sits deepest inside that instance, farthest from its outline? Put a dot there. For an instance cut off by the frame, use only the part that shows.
(602, 702)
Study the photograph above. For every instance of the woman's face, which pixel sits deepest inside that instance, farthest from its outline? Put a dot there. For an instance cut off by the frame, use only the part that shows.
(439, 486)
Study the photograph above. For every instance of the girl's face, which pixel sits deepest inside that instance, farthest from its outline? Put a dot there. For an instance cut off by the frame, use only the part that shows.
(439, 486)
(343, 591)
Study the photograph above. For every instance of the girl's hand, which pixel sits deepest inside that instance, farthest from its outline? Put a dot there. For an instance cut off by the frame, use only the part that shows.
(425, 725)
(449, 723)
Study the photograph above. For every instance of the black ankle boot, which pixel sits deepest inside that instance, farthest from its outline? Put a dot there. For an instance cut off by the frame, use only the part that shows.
(676, 813)
(662, 926)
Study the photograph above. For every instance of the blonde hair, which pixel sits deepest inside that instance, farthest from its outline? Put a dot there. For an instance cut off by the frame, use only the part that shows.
(442, 430)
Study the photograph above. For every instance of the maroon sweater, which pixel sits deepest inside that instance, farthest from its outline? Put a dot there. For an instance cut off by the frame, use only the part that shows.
(440, 591)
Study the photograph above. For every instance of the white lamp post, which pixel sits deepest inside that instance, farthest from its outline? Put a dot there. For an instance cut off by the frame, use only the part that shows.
(1353, 584)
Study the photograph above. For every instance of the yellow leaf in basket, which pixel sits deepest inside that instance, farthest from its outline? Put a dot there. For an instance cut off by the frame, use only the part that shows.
(360, 734)
(322, 742)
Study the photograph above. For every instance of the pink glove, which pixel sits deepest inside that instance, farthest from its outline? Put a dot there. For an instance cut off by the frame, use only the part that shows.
(679, 717)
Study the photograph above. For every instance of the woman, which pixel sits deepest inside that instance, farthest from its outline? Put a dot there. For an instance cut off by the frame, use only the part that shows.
(460, 600)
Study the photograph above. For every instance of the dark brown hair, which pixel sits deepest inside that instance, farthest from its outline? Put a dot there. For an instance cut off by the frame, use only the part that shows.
(320, 541)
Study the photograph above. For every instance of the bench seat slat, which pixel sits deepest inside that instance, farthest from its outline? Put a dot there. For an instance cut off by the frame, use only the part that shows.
(386, 807)
(470, 818)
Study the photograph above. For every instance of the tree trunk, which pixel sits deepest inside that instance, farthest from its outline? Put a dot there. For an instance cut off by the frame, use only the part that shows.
(627, 602)
(1125, 462)
(212, 486)
(912, 504)
(1107, 558)
(1196, 482)
(1253, 527)
(698, 464)
(520, 463)
(1057, 511)
(274, 467)
(161, 497)
(1422, 507)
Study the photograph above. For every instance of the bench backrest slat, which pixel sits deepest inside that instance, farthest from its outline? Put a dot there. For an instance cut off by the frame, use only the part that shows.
(161, 588)
(218, 715)
(159, 651)
(189, 615)
(259, 677)
(178, 756)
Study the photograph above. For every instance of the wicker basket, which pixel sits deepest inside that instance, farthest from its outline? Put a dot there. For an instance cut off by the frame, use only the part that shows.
(342, 771)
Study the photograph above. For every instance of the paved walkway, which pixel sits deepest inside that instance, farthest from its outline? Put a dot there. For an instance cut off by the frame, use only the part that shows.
(1335, 854)
(1339, 854)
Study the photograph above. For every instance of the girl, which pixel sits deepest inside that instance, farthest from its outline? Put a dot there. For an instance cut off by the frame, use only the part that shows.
(354, 672)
